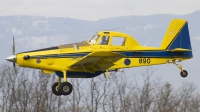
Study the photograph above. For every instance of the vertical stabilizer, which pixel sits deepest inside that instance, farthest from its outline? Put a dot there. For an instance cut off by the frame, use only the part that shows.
(177, 36)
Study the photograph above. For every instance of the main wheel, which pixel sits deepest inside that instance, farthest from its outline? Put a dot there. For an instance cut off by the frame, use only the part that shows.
(184, 73)
(55, 89)
(65, 88)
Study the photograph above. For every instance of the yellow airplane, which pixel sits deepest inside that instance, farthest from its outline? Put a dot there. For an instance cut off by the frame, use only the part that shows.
(106, 51)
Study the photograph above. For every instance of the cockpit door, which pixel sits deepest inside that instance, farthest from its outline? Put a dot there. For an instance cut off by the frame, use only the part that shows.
(102, 43)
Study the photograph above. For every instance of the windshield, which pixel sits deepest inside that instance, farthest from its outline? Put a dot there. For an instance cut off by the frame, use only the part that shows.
(94, 39)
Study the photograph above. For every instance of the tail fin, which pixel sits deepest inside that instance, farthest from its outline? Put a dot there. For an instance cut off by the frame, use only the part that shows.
(177, 37)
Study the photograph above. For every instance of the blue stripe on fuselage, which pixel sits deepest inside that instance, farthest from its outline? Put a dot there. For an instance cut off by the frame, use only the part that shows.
(157, 54)
(66, 55)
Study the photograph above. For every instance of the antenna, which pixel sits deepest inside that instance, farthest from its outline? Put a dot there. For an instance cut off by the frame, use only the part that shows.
(147, 42)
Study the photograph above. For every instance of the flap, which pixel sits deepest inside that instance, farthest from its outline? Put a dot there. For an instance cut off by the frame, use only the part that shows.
(47, 72)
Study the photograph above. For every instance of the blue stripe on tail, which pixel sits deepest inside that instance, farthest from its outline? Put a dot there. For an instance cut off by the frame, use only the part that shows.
(182, 40)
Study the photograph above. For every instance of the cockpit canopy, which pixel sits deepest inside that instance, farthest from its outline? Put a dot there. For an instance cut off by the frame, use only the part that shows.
(106, 38)
(112, 38)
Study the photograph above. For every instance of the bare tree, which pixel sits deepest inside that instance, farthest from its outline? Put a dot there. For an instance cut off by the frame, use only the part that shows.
(166, 99)
(29, 90)
(194, 103)
(95, 96)
(74, 101)
(186, 92)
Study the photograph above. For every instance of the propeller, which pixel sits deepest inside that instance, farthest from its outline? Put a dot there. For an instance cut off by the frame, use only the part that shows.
(13, 46)
(13, 57)
(13, 53)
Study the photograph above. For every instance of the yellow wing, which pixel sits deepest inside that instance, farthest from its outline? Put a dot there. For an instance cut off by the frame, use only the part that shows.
(97, 61)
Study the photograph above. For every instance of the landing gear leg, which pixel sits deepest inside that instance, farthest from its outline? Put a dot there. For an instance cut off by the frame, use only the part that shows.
(183, 73)
(65, 87)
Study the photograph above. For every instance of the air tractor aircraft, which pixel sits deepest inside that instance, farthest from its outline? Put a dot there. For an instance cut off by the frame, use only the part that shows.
(106, 51)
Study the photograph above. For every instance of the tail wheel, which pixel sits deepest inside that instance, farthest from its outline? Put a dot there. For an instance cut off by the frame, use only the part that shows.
(184, 73)
(65, 88)
(55, 89)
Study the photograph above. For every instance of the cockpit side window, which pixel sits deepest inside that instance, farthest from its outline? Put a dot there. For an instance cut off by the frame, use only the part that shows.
(104, 40)
(94, 39)
(118, 41)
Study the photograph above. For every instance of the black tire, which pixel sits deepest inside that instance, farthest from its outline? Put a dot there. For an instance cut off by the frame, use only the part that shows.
(55, 89)
(184, 73)
(65, 88)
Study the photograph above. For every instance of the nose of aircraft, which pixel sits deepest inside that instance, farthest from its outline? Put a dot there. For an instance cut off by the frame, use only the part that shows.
(11, 58)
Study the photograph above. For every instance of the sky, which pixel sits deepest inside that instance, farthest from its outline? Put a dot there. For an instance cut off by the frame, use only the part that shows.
(93, 10)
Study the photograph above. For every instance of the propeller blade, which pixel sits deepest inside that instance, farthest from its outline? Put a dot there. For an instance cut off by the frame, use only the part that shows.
(14, 68)
(13, 46)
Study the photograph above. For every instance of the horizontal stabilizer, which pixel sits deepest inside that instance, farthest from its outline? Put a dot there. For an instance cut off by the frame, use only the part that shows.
(180, 50)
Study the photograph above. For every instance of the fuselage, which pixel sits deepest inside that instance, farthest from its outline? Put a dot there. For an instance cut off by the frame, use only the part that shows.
(63, 57)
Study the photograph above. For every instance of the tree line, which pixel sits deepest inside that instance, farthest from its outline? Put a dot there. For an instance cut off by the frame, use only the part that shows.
(29, 90)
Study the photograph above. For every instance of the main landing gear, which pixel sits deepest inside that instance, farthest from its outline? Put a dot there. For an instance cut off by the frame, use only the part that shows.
(64, 88)
(183, 73)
